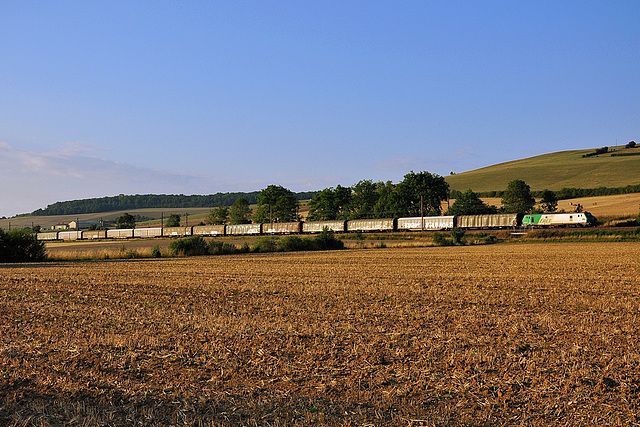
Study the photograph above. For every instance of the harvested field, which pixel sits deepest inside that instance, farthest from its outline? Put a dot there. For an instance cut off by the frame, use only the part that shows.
(524, 334)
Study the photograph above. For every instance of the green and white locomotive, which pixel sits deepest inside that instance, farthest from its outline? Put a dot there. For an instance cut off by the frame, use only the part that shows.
(582, 219)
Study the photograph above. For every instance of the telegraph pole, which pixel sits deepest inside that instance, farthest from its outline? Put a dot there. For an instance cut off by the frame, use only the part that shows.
(422, 212)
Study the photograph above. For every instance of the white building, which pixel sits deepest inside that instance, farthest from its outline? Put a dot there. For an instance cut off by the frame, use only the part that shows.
(83, 225)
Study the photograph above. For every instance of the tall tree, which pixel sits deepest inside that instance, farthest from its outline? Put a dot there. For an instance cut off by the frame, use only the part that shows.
(364, 197)
(549, 201)
(517, 198)
(388, 204)
(172, 221)
(218, 216)
(240, 212)
(276, 204)
(429, 188)
(330, 204)
(126, 221)
(468, 203)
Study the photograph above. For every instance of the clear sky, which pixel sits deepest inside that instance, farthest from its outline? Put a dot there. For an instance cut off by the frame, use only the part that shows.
(199, 97)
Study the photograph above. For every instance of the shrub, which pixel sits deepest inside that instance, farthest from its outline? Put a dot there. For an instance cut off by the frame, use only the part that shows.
(294, 243)
(440, 240)
(155, 252)
(598, 151)
(21, 246)
(457, 236)
(326, 240)
(266, 244)
(217, 247)
(194, 245)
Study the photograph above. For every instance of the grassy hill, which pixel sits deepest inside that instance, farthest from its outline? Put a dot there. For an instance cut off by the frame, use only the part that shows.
(566, 169)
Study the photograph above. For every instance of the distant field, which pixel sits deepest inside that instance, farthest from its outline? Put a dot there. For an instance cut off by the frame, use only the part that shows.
(521, 334)
(195, 216)
(619, 205)
(567, 169)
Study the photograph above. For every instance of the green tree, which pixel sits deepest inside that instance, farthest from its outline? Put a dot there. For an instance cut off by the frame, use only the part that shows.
(388, 204)
(276, 204)
(240, 212)
(468, 203)
(549, 201)
(431, 188)
(517, 198)
(126, 221)
(21, 246)
(172, 221)
(219, 216)
(364, 197)
(330, 204)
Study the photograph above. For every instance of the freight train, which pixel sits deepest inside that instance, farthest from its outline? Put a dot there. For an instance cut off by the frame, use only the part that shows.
(427, 223)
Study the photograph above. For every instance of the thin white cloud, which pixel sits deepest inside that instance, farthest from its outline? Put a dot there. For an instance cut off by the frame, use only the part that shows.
(442, 164)
(395, 164)
(34, 179)
(71, 148)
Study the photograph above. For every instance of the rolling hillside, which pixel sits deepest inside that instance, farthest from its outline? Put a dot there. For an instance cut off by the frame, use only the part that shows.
(565, 169)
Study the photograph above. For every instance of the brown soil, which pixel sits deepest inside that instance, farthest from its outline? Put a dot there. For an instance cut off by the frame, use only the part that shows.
(523, 334)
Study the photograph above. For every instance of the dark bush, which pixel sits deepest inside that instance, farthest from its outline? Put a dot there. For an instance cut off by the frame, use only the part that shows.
(21, 246)
(440, 240)
(194, 245)
(155, 252)
(598, 151)
(217, 247)
(457, 236)
(266, 244)
(327, 240)
(294, 244)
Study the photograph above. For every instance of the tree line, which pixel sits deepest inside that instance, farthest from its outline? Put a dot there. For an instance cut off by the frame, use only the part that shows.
(418, 194)
(565, 193)
(141, 201)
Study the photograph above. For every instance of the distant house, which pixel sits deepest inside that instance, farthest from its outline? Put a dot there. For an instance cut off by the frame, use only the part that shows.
(83, 225)
(61, 226)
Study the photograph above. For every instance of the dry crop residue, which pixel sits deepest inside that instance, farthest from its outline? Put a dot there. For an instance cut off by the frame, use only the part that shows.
(507, 334)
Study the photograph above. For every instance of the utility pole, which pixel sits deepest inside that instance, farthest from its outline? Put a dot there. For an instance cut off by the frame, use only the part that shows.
(422, 212)
(186, 214)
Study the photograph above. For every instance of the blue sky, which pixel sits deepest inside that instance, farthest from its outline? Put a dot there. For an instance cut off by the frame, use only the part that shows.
(103, 98)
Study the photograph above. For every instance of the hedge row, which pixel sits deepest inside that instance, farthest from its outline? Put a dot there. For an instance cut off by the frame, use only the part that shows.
(196, 245)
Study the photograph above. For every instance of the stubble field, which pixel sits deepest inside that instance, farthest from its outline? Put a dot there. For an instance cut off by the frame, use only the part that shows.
(520, 334)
